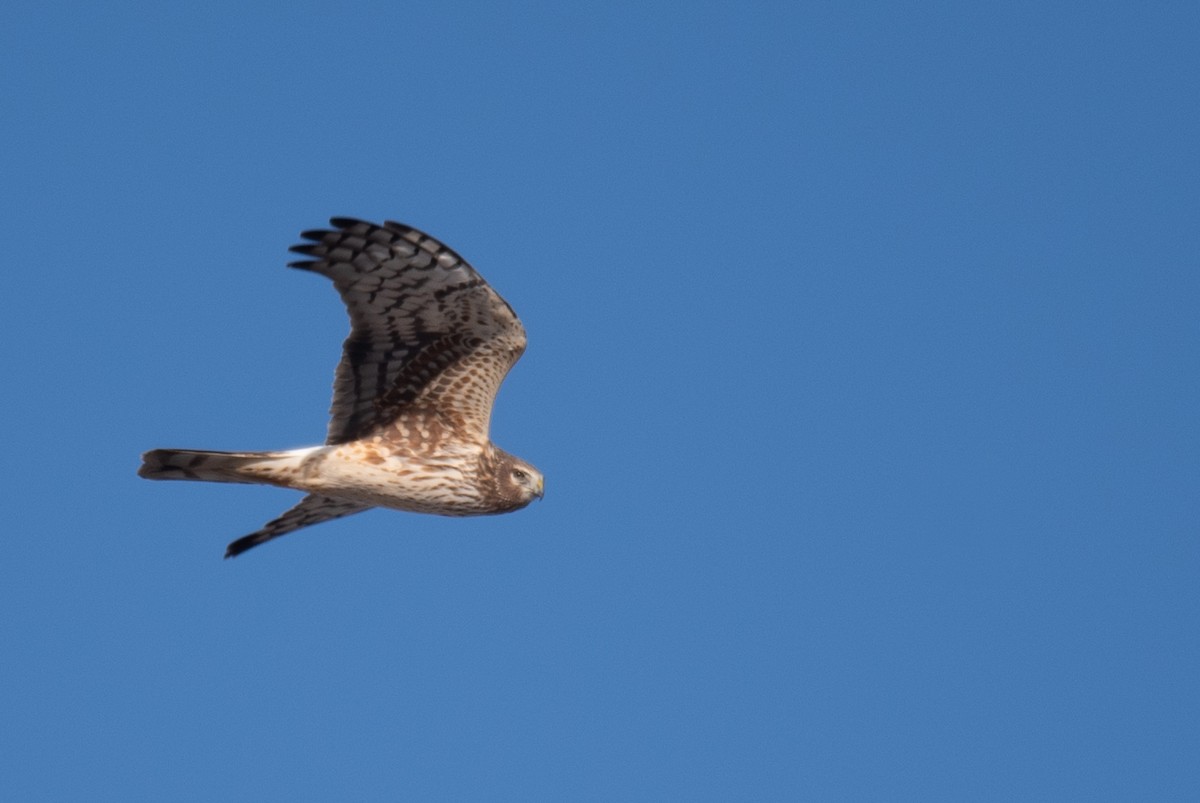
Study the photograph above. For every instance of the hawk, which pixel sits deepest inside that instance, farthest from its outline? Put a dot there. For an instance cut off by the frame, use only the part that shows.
(430, 342)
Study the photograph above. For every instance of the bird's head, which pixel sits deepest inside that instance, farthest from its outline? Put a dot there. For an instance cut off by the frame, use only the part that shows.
(517, 482)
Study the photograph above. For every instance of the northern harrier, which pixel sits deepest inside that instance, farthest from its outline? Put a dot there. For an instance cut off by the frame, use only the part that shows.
(430, 342)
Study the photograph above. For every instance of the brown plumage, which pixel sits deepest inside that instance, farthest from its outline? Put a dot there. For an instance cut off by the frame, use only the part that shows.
(430, 342)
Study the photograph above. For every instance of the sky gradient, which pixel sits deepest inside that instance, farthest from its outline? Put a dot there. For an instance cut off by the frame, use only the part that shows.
(862, 369)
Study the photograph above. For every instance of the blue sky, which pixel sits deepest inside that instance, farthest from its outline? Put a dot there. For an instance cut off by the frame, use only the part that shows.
(862, 369)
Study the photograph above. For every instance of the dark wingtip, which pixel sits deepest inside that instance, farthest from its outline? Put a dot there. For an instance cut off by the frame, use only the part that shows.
(303, 264)
(239, 546)
(346, 222)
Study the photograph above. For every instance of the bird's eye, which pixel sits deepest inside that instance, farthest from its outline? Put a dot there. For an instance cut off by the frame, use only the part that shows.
(518, 474)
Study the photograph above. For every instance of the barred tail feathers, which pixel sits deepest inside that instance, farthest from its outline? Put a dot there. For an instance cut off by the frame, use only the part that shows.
(271, 468)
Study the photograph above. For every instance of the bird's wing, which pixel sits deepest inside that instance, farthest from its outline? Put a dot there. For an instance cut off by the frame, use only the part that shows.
(312, 509)
(426, 330)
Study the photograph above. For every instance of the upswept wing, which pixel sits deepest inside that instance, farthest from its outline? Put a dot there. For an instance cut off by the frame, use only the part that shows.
(425, 329)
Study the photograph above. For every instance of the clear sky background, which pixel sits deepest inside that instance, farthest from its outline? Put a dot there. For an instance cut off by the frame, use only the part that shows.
(863, 369)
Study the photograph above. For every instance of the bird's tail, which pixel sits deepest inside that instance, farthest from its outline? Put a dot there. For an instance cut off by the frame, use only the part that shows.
(272, 468)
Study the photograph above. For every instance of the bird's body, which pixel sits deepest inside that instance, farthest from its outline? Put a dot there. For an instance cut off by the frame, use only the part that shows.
(444, 483)
(430, 343)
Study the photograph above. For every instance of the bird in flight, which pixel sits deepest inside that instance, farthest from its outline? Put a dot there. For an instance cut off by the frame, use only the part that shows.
(430, 342)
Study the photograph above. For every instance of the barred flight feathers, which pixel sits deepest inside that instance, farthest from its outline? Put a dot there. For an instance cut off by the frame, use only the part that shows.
(418, 312)
(312, 509)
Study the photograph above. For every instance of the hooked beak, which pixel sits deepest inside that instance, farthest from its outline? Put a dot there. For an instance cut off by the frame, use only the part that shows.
(541, 489)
